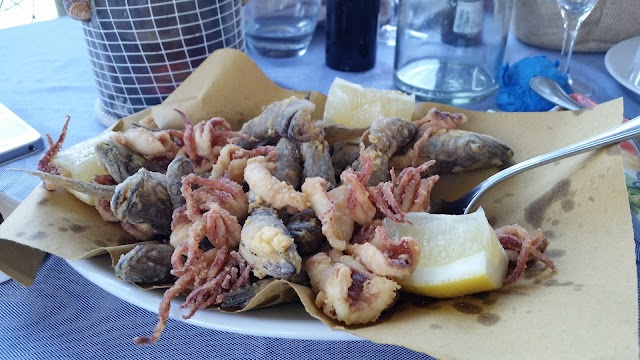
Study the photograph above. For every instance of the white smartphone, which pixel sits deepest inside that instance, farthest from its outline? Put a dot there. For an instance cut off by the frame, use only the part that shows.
(17, 138)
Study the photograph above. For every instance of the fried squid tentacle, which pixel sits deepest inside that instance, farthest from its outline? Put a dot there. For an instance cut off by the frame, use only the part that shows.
(214, 273)
(45, 164)
(382, 255)
(516, 238)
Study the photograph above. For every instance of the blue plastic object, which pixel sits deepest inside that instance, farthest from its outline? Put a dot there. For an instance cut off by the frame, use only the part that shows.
(515, 94)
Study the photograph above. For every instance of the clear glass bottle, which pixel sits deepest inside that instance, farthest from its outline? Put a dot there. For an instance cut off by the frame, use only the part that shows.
(453, 64)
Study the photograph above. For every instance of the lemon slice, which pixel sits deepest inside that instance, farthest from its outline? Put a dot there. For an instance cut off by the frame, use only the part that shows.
(351, 105)
(460, 254)
(81, 162)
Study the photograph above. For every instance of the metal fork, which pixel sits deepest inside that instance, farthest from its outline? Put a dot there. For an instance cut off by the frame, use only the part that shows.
(615, 135)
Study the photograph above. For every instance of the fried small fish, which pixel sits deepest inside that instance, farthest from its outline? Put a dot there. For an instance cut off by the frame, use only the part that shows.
(121, 162)
(267, 245)
(146, 264)
(456, 151)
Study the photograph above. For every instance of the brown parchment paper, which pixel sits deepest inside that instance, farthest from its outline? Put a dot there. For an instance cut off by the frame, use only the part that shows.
(588, 309)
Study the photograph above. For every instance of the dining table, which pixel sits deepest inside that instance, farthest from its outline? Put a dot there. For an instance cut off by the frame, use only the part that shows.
(45, 76)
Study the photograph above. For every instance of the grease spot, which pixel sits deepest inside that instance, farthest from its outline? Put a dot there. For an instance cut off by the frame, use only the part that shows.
(577, 289)
(21, 234)
(63, 228)
(501, 198)
(549, 234)
(554, 282)
(528, 312)
(489, 301)
(38, 235)
(488, 319)
(427, 303)
(555, 253)
(555, 222)
(567, 205)
(78, 228)
(511, 292)
(43, 202)
(481, 295)
(534, 213)
(51, 224)
(590, 198)
(467, 308)
(534, 269)
(435, 326)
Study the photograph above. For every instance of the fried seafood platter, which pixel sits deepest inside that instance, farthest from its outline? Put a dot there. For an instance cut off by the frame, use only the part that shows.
(219, 213)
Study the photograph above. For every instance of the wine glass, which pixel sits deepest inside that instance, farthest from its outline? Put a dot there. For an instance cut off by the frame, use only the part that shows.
(573, 14)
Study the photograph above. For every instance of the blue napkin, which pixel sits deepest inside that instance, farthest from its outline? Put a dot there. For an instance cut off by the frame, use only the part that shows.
(515, 94)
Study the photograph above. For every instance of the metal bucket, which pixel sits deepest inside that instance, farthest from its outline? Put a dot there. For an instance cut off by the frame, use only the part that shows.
(141, 50)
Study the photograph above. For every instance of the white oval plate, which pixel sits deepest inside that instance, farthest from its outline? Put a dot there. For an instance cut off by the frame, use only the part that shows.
(284, 321)
(618, 61)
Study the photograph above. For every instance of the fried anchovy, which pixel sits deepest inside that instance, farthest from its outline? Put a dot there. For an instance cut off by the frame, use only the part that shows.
(267, 245)
(146, 264)
(317, 161)
(179, 167)
(121, 162)
(391, 134)
(143, 199)
(457, 151)
(289, 118)
(288, 163)
(306, 230)
(104, 192)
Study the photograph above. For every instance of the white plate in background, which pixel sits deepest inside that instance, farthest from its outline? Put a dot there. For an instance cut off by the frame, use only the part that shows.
(7, 204)
(619, 60)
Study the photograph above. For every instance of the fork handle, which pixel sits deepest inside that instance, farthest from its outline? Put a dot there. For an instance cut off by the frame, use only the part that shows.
(615, 135)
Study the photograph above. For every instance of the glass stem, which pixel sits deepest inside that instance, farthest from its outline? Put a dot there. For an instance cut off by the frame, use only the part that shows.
(571, 26)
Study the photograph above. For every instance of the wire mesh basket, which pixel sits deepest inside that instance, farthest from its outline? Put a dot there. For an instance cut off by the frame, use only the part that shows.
(141, 50)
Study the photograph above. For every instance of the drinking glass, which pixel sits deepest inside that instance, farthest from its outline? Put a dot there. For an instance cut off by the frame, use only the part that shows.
(388, 22)
(280, 28)
(573, 14)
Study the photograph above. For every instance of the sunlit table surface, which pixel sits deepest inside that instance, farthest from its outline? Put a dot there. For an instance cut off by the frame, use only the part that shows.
(45, 75)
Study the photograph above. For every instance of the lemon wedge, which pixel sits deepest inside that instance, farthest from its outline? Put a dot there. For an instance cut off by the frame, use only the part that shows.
(81, 162)
(460, 254)
(352, 105)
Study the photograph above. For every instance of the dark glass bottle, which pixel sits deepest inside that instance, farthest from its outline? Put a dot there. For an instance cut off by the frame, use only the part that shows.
(352, 28)
(462, 25)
